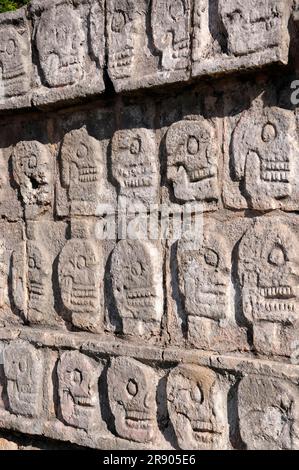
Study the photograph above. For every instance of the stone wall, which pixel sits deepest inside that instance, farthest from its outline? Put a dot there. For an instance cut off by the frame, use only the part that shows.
(116, 332)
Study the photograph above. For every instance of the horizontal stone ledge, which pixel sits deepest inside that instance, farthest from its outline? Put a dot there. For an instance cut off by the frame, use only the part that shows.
(58, 52)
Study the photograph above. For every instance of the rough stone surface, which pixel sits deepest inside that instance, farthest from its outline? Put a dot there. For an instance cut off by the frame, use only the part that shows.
(149, 270)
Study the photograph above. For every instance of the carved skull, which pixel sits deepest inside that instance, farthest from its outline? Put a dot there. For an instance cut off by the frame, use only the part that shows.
(171, 25)
(38, 277)
(59, 39)
(263, 154)
(23, 369)
(205, 276)
(269, 272)
(137, 284)
(196, 407)
(82, 166)
(134, 162)
(193, 160)
(124, 18)
(268, 412)
(13, 62)
(131, 391)
(32, 172)
(79, 276)
(253, 25)
(78, 389)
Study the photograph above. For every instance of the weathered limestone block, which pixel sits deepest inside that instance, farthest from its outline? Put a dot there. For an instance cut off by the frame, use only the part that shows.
(70, 48)
(15, 60)
(132, 399)
(263, 161)
(197, 408)
(136, 271)
(78, 390)
(192, 166)
(135, 166)
(230, 35)
(269, 278)
(269, 413)
(33, 168)
(81, 171)
(80, 276)
(23, 369)
(162, 49)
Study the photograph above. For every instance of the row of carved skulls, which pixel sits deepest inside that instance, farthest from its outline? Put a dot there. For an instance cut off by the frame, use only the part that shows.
(62, 44)
(196, 400)
(264, 164)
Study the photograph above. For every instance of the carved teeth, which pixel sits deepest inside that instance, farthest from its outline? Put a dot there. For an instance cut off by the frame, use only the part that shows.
(138, 183)
(83, 401)
(283, 292)
(278, 306)
(88, 174)
(202, 426)
(134, 294)
(198, 175)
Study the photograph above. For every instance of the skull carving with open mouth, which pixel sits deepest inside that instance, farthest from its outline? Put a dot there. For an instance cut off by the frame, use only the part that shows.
(137, 285)
(132, 399)
(268, 412)
(32, 172)
(78, 390)
(193, 160)
(13, 64)
(59, 40)
(23, 368)
(134, 163)
(196, 407)
(81, 167)
(253, 25)
(269, 272)
(263, 154)
(171, 25)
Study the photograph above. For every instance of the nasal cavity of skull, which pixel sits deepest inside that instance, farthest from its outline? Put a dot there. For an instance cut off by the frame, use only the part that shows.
(235, 16)
(277, 256)
(193, 145)
(135, 147)
(119, 21)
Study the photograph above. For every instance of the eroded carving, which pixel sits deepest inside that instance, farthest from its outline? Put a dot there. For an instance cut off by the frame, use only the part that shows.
(82, 171)
(196, 407)
(78, 377)
(171, 25)
(32, 169)
(59, 38)
(14, 60)
(264, 155)
(137, 286)
(39, 278)
(254, 25)
(132, 390)
(268, 413)
(192, 154)
(23, 368)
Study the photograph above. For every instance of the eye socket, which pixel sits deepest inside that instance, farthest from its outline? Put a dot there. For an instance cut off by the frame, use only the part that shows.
(136, 269)
(118, 21)
(11, 47)
(277, 256)
(82, 151)
(31, 263)
(176, 9)
(22, 365)
(76, 377)
(32, 163)
(132, 388)
(269, 133)
(135, 147)
(193, 145)
(81, 262)
(197, 394)
(211, 258)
